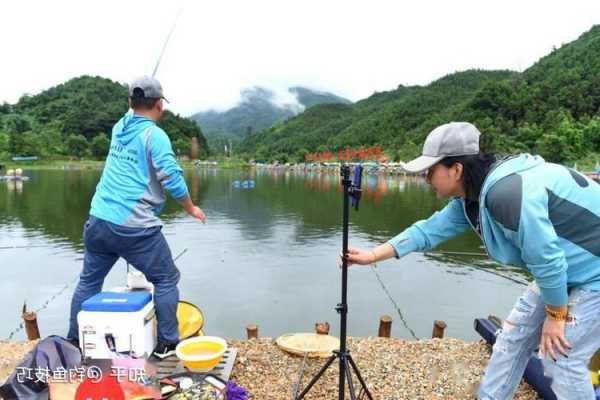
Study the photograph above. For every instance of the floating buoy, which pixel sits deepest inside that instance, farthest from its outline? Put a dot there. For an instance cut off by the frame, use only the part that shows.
(248, 184)
(245, 184)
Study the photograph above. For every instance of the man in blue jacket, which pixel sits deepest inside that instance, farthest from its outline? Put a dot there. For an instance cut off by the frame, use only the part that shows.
(124, 221)
(530, 213)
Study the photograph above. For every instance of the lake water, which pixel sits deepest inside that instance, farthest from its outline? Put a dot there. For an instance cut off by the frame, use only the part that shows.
(267, 255)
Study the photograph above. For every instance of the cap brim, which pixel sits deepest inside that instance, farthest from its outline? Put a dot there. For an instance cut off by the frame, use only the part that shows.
(165, 99)
(420, 164)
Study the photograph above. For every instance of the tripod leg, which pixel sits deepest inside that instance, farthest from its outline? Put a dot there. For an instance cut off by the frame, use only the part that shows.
(316, 377)
(349, 378)
(360, 379)
(297, 388)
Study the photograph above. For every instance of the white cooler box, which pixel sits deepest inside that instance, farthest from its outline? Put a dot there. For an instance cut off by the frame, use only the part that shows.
(113, 324)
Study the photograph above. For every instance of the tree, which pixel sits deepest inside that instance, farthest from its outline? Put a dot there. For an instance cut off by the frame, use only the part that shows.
(182, 147)
(77, 145)
(15, 143)
(301, 155)
(51, 142)
(281, 157)
(527, 135)
(408, 151)
(591, 134)
(17, 123)
(31, 145)
(4, 139)
(100, 145)
(553, 147)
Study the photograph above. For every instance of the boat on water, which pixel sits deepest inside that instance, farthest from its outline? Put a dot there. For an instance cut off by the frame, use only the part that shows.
(14, 175)
(14, 178)
(25, 158)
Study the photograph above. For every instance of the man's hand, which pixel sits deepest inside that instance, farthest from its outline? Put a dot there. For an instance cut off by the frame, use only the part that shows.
(553, 338)
(191, 209)
(197, 213)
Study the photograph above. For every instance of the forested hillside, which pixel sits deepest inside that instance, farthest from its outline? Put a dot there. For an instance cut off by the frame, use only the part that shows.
(384, 118)
(552, 108)
(75, 119)
(258, 109)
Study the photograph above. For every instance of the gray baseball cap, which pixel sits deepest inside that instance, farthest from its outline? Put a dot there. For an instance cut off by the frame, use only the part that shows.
(150, 87)
(452, 139)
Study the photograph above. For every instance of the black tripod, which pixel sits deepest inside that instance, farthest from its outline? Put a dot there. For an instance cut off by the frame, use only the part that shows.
(351, 189)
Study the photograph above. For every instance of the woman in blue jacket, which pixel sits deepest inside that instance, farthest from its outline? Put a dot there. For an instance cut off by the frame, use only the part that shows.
(540, 216)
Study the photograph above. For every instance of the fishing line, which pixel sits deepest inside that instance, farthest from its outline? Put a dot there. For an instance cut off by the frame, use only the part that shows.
(43, 306)
(487, 270)
(61, 291)
(34, 246)
(398, 310)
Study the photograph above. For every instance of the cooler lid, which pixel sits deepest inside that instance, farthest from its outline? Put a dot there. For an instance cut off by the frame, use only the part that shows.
(117, 301)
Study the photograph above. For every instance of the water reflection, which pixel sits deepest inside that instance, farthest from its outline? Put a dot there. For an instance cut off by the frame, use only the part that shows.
(14, 185)
(57, 203)
(262, 249)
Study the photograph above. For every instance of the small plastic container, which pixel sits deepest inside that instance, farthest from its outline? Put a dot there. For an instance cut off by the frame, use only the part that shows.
(201, 353)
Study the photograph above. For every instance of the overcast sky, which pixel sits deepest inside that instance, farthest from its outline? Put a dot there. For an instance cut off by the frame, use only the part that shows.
(351, 48)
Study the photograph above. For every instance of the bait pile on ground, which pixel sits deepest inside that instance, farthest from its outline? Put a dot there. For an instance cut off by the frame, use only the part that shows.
(394, 369)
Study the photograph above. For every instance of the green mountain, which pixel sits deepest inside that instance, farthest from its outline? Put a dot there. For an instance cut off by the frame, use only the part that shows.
(551, 108)
(309, 97)
(76, 118)
(258, 109)
(383, 118)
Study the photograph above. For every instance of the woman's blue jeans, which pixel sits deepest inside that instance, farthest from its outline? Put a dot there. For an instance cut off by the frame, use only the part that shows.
(520, 337)
(144, 248)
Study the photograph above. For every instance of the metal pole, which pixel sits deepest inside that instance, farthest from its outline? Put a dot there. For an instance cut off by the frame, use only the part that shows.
(343, 307)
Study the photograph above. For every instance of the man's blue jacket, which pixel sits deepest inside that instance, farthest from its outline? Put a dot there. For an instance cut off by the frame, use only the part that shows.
(139, 166)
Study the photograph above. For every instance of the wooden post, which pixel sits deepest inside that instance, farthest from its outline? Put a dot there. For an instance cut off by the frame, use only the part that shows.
(385, 326)
(194, 148)
(31, 326)
(252, 331)
(438, 329)
(322, 328)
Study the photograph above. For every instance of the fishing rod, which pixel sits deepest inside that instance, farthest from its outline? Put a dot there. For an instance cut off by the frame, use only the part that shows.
(471, 254)
(162, 52)
(456, 253)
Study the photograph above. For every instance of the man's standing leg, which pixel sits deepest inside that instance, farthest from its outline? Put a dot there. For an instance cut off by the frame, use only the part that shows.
(514, 346)
(97, 262)
(151, 255)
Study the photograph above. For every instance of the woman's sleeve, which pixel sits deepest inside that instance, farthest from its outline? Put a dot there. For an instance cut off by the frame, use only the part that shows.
(426, 234)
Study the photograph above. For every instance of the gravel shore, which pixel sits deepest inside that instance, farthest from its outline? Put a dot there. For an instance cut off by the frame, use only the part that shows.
(394, 369)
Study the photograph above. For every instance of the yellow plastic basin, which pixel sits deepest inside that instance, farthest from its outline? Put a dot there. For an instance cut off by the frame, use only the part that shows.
(201, 353)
